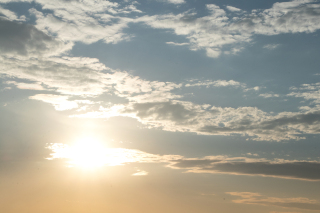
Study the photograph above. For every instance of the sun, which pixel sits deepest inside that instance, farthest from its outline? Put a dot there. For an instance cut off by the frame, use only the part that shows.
(90, 153)
(87, 153)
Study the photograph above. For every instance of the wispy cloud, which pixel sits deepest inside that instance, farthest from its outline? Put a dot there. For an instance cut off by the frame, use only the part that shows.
(258, 199)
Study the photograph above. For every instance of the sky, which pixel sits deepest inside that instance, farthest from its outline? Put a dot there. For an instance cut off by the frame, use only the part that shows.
(156, 106)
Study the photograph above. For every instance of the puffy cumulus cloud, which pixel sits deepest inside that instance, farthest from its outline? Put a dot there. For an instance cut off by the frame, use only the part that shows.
(220, 29)
(26, 40)
(258, 199)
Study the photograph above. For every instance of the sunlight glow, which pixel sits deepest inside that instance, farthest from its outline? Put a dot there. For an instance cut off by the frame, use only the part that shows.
(89, 153)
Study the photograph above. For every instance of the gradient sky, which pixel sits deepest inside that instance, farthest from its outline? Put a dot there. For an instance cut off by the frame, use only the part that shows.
(153, 106)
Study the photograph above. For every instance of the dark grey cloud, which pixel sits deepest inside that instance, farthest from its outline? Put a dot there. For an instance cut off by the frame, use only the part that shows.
(291, 170)
(25, 39)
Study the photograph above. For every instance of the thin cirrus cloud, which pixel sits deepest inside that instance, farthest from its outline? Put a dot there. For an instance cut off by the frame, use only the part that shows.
(258, 199)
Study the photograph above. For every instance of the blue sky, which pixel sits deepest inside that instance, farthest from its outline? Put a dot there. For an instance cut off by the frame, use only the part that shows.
(222, 94)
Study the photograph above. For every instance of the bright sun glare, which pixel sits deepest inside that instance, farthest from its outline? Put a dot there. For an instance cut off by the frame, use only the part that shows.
(90, 153)
(87, 153)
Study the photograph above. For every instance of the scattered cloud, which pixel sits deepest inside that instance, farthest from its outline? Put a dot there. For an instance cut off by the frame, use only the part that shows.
(215, 32)
(32, 56)
(308, 92)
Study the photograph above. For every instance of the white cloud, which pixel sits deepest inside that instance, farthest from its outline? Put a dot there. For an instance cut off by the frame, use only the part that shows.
(213, 33)
(308, 92)
(177, 44)
(8, 14)
(217, 83)
(27, 86)
(189, 117)
(233, 9)
(176, 1)
(59, 102)
(217, 33)
(269, 95)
